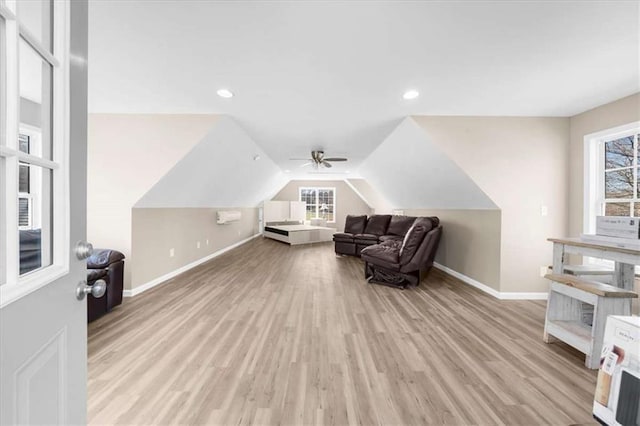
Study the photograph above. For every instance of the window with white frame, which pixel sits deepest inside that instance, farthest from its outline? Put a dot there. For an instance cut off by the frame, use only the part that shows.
(33, 143)
(611, 165)
(611, 174)
(321, 202)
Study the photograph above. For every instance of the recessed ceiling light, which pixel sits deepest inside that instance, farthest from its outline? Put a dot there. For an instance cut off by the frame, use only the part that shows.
(225, 93)
(256, 157)
(287, 171)
(348, 171)
(410, 94)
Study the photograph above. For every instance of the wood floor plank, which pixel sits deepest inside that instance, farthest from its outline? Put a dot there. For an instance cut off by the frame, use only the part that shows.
(271, 334)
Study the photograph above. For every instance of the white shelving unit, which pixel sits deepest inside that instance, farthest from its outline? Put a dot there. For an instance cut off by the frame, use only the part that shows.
(570, 298)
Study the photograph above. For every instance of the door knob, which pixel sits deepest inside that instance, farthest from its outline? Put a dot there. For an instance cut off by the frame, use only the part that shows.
(97, 290)
(83, 250)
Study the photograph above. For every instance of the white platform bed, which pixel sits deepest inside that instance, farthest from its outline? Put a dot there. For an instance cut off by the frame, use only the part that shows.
(299, 234)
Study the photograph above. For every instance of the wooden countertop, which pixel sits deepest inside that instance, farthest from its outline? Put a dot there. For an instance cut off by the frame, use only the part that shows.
(593, 287)
(575, 241)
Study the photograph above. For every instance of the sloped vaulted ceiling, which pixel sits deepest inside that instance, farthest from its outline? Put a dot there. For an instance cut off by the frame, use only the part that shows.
(226, 169)
(331, 74)
(410, 171)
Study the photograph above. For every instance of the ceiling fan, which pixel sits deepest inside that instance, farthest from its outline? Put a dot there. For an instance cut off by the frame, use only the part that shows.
(318, 159)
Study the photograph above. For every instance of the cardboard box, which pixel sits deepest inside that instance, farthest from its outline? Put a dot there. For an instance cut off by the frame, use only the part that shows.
(618, 226)
(625, 243)
(617, 396)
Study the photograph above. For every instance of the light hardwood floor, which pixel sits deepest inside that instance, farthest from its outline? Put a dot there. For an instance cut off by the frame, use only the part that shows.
(273, 334)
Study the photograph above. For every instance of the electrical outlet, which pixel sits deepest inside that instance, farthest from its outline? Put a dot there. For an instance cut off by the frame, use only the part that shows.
(172, 252)
(543, 271)
(239, 233)
(207, 242)
(544, 211)
(197, 244)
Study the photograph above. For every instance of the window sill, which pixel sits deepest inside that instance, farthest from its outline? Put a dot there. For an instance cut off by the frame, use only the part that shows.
(10, 292)
(320, 218)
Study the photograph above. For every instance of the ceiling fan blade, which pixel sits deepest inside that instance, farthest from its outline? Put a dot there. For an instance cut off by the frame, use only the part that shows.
(335, 159)
(326, 164)
(308, 163)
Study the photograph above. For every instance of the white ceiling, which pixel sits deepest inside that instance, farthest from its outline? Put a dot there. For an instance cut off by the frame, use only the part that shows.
(331, 74)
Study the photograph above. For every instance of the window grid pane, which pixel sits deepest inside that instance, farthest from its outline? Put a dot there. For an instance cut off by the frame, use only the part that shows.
(619, 184)
(35, 75)
(311, 211)
(24, 212)
(24, 143)
(618, 209)
(621, 170)
(24, 180)
(35, 221)
(36, 16)
(619, 153)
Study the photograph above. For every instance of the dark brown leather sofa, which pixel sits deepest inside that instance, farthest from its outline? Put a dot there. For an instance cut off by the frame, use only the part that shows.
(107, 265)
(30, 250)
(399, 263)
(360, 232)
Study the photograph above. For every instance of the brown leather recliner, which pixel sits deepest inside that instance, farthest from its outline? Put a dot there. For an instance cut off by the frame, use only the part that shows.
(398, 228)
(400, 263)
(107, 265)
(344, 241)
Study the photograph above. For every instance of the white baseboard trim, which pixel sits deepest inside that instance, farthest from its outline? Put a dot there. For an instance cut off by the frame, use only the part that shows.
(505, 295)
(489, 290)
(468, 280)
(157, 281)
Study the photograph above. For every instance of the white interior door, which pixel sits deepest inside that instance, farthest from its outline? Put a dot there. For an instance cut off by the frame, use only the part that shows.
(43, 131)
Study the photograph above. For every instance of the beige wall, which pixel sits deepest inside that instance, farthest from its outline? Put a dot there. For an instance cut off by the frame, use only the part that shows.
(470, 242)
(127, 155)
(618, 113)
(157, 230)
(373, 198)
(521, 163)
(347, 201)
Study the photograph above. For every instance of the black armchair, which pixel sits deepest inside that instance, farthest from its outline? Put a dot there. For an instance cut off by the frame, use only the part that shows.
(400, 263)
(107, 265)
